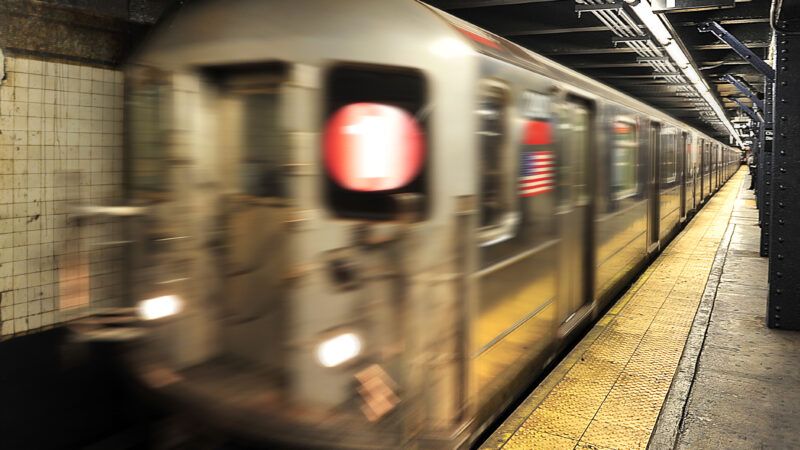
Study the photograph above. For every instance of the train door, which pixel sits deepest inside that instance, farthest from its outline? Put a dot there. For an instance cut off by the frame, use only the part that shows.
(653, 185)
(710, 169)
(575, 213)
(517, 236)
(692, 170)
(702, 172)
(698, 174)
(714, 165)
(682, 158)
(712, 158)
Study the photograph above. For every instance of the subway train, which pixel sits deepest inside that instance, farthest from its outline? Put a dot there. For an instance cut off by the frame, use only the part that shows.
(369, 224)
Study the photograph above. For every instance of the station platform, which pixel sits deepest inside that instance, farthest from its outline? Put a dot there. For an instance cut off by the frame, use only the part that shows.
(683, 359)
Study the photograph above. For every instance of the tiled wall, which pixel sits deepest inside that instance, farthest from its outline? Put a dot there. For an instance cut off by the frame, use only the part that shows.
(60, 145)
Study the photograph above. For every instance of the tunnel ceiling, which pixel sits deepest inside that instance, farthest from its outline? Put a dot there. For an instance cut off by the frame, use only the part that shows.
(553, 29)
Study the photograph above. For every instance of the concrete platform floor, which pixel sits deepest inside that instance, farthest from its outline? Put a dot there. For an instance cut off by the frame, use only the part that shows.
(744, 390)
(683, 360)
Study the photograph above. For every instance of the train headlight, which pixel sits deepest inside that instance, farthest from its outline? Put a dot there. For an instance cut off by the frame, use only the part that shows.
(338, 349)
(159, 307)
(449, 47)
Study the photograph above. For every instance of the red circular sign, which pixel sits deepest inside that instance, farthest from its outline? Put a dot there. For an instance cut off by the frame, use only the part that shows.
(373, 147)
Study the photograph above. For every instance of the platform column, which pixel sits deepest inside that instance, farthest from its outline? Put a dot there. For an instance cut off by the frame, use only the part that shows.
(764, 179)
(783, 303)
(766, 138)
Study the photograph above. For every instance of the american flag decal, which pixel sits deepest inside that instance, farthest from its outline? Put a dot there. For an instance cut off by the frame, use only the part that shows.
(538, 173)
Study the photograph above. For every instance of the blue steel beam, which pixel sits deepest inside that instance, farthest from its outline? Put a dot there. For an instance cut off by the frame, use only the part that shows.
(744, 90)
(723, 35)
(747, 110)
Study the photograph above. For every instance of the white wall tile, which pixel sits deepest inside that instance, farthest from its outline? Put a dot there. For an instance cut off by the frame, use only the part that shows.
(61, 141)
(20, 325)
(7, 328)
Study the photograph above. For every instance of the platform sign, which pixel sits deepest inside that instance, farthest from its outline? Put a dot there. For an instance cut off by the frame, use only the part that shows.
(689, 5)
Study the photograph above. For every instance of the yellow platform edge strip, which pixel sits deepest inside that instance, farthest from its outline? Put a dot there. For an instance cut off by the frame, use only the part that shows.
(608, 391)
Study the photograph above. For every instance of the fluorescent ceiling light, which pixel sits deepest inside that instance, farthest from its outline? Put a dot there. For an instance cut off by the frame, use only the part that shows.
(664, 37)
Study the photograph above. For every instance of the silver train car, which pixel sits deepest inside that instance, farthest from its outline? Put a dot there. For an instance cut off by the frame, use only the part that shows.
(368, 224)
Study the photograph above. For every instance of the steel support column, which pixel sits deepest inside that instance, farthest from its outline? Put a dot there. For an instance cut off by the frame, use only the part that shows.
(763, 149)
(783, 302)
(762, 189)
(765, 138)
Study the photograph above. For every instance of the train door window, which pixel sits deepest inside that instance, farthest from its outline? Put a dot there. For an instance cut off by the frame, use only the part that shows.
(573, 133)
(264, 145)
(492, 131)
(498, 206)
(685, 149)
(148, 117)
(624, 158)
(256, 144)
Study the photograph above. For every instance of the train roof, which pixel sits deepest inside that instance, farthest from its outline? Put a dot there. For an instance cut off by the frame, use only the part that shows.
(315, 32)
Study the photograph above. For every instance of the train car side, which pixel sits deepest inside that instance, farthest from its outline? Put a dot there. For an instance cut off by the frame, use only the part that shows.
(365, 298)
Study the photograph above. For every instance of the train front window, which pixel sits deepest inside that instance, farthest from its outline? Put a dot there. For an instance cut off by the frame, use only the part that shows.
(375, 142)
(669, 155)
(623, 159)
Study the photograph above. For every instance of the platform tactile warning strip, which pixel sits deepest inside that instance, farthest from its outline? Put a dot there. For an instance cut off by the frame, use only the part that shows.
(607, 393)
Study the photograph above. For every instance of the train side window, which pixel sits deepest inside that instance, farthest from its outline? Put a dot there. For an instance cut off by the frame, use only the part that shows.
(498, 215)
(624, 158)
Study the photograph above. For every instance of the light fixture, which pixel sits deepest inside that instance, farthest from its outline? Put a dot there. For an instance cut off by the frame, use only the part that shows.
(338, 349)
(159, 307)
(664, 37)
(450, 47)
(674, 52)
